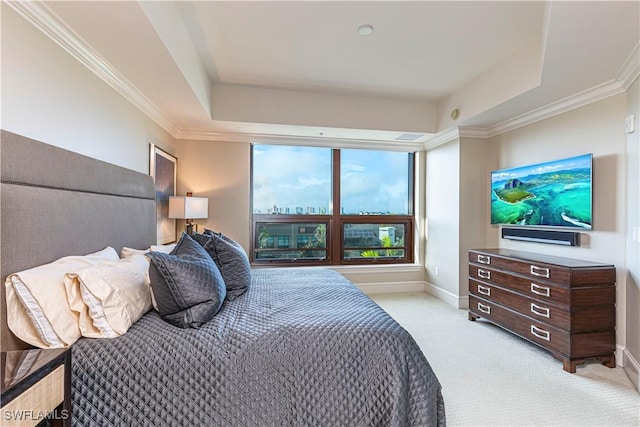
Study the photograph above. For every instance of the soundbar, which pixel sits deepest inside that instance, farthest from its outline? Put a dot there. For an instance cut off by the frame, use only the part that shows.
(567, 238)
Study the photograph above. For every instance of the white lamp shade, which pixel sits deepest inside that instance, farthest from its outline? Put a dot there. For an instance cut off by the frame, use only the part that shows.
(181, 207)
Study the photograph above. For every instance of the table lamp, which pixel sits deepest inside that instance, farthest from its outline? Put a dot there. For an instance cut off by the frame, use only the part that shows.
(188, 208)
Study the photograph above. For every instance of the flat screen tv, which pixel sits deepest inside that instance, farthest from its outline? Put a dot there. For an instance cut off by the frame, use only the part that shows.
(552, 194)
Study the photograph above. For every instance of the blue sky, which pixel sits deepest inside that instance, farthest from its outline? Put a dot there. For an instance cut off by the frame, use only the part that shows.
(578, 162)
(290, 176)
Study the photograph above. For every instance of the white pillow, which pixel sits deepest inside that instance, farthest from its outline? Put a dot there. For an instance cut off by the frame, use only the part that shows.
(165, 249)
(127, 252)
(42, 328)
(111, 296)
(37, 308)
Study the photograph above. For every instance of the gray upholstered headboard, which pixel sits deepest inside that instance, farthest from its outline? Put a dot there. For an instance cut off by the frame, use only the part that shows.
(56, 203)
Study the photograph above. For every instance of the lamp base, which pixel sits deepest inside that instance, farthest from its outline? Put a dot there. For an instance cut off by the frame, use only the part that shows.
(190, 228)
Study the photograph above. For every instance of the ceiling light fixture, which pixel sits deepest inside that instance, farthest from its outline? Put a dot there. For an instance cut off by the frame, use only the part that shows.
(365, 30)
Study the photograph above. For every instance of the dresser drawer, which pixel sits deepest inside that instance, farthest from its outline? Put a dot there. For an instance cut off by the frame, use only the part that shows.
(577, 345)
(547, 336)
(546, 292)
(579, 319)
(571, 273)
(539, 290)
(530, 269)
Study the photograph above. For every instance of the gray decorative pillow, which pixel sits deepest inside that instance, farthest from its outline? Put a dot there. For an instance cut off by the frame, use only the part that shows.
(230, 258)
(186, 283)
(226, 239)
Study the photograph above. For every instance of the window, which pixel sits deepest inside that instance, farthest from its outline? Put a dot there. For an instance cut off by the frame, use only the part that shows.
(373, 241)
(314, 205)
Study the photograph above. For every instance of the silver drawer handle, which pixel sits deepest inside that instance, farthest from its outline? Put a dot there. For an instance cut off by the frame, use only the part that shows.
(540, 290)
(539, 271)
(484, 274)
(484, 290)
(540, 311)
(540, 333)
(484, 308)
(483, 259)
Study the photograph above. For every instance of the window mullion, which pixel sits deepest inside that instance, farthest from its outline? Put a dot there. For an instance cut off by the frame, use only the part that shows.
(336, 220)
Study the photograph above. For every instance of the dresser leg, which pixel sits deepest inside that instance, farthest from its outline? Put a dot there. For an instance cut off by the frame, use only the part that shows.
(569, 365)
(608, 361)
(473, 317)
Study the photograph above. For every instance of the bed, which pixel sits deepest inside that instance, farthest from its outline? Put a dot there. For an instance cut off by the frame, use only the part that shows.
(303, 346)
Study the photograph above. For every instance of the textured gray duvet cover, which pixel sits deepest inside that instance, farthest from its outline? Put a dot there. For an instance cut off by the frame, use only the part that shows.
(303, 347)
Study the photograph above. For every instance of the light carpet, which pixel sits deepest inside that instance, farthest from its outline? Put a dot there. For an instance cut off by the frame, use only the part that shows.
(490, 377)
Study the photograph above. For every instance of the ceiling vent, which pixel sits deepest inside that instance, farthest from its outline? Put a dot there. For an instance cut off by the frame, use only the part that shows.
(409, 137)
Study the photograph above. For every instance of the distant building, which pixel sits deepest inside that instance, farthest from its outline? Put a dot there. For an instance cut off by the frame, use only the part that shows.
(360, 235)
(389, 232)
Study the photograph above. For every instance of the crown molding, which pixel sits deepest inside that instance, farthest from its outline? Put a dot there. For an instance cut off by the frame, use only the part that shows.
(442, 138)
(337, 142)
(597, 93)
(46, 21)
(207, 135)
(259, 138)
(281, 139)
(473, 132)
(630, 70)
(628, 73)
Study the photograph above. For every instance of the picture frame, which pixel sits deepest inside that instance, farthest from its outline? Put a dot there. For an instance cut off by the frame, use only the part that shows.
(163, 167)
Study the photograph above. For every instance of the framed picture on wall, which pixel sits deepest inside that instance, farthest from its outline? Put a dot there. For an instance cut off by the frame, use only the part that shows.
(163, 168)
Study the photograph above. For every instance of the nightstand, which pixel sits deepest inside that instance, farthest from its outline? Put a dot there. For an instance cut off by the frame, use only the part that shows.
(36, 387)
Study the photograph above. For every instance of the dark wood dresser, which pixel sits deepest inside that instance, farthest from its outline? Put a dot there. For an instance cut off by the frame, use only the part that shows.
(565, 305)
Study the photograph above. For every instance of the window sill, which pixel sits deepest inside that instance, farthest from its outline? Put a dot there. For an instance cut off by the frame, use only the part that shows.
(382, 268)
(355, 269)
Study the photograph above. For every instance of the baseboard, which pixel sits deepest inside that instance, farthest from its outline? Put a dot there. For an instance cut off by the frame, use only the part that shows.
(446, 296)
(390, 288)
(620, 349)
(631, 368)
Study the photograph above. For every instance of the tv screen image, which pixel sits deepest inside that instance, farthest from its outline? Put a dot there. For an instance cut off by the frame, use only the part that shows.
(552, 194)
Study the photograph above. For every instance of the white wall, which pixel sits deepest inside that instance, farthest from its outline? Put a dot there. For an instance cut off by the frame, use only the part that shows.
(597, 128)
(457, 185)
(632, 354)
(475, 160)
(443, 222)
(252, 104)
(49, 96)
(511, 77)
(219, 171)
